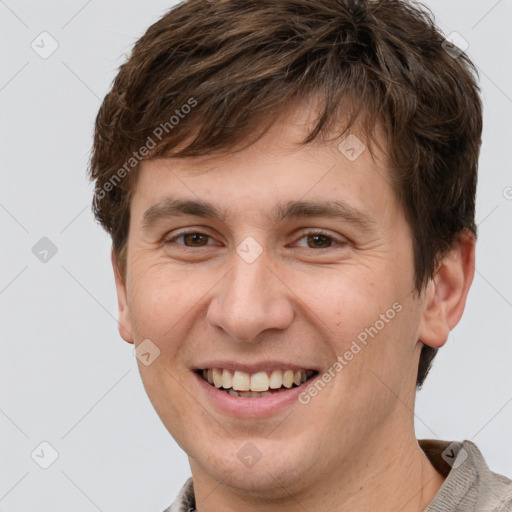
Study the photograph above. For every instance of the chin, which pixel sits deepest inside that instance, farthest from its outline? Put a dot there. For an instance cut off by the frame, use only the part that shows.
(256, 466)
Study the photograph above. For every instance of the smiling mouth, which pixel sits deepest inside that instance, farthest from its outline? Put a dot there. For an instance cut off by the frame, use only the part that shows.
(255, 385)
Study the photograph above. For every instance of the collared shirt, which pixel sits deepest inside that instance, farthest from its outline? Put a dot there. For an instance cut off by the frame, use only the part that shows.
(470, 486)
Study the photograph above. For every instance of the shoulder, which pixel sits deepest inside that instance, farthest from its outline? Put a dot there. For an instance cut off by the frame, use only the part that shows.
(491, 490)
(185, 500)
(470, 485)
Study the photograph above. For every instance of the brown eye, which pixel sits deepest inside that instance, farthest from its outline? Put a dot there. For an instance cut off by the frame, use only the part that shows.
(190, 239)
(195, 239)
(319, 241)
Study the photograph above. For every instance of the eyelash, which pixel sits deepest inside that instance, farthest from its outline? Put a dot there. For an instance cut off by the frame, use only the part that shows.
(308, 233)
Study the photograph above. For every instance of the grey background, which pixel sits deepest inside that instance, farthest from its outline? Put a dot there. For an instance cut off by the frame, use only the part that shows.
(67, 378)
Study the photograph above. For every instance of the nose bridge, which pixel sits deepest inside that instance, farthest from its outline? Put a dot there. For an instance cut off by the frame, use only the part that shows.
(250, 299)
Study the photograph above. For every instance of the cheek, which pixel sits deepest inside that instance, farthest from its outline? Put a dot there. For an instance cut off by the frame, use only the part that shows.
(158, 298)
(349, 300)
(369, 320)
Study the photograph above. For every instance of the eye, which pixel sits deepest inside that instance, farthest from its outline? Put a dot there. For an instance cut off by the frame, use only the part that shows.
(320, 240)
(313, 240)
(190, 239)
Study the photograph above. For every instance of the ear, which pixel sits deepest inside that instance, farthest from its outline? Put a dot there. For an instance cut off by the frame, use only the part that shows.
(445, 295)
(124, 322)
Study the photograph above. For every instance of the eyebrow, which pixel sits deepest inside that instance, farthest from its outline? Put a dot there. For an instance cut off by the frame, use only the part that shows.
(173, 207)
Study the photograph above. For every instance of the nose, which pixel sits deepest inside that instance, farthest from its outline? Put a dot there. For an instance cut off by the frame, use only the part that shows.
(250, 299)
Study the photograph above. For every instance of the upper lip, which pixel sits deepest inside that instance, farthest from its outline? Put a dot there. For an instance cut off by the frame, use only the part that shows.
(262, 366)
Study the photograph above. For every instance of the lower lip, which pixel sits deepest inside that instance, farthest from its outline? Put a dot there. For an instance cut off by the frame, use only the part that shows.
(251, 407)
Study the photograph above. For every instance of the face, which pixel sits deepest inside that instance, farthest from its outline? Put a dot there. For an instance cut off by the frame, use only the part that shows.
(274, 259)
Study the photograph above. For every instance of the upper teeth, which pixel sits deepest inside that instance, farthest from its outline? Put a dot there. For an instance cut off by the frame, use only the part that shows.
(260, 381)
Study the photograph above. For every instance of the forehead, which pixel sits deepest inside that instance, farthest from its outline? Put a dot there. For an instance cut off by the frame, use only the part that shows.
(273, 175)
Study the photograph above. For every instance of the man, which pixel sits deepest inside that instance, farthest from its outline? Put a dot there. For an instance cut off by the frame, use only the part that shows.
(290, 190)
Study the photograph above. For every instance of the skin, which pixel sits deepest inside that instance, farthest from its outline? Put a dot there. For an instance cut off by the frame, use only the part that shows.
(303, 300)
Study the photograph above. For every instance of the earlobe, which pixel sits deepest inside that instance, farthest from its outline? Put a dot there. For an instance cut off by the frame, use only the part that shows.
(445, 295)
(124, 320)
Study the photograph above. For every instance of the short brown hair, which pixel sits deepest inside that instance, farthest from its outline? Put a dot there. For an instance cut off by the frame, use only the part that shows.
(238, 63)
